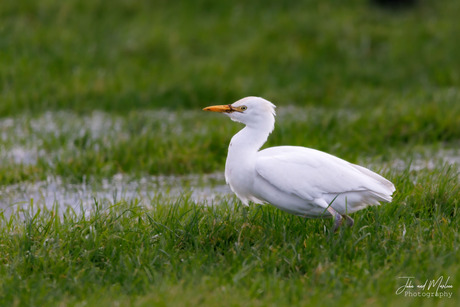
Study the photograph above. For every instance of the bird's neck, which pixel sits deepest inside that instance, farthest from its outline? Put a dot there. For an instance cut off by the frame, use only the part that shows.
(241, 159)
(248, 141)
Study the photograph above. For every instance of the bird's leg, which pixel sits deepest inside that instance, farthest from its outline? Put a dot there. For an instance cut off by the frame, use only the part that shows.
(337, 218)
(349, 220)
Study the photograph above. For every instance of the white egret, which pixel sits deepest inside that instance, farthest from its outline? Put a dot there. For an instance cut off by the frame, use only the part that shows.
(298, 180)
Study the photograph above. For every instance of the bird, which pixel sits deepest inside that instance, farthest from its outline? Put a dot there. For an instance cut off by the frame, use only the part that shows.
(302, 181)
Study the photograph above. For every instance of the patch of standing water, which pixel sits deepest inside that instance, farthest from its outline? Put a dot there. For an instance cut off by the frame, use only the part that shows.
(24, 140)
(207, 189)
(424, 158)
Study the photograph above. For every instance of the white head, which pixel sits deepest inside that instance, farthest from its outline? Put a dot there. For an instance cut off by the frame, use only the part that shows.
(254, 112)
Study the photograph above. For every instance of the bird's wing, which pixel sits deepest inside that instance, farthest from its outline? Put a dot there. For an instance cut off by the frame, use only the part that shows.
(310, 173)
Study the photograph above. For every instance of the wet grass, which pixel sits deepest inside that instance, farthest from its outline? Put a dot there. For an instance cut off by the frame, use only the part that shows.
(367, 81)
(89, 90)
(184, 253)
(100, 145)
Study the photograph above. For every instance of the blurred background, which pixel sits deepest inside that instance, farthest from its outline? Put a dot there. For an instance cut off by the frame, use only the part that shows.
(370, 78)
(124, 55)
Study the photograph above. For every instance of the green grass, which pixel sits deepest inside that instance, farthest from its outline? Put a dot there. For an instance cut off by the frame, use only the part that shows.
(91, 89)
(371, 82)
(82, 55)
(178, 142)
(226, 254)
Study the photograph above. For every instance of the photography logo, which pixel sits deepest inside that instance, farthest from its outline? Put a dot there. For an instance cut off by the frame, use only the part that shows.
(440, 287)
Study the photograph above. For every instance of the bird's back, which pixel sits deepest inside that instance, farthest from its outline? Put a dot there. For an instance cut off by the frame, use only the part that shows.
(316, 177)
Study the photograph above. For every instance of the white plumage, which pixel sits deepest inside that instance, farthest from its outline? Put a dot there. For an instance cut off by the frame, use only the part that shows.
(298, 180)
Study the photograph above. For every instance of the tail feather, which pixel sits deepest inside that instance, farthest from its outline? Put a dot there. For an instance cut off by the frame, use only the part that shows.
(384, 188)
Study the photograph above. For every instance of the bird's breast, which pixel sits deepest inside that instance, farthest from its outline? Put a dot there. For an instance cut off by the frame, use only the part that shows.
(240, 177)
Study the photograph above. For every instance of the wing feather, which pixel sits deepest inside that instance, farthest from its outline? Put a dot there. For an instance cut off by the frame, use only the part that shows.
(309, 173)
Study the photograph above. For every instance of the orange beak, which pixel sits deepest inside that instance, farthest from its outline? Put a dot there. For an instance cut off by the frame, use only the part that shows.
(226, 108)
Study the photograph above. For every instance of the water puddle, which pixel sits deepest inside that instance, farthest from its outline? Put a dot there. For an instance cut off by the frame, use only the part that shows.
(421, 159)
(22, 141)
(208, 189)
(25, 139)
(146, 191)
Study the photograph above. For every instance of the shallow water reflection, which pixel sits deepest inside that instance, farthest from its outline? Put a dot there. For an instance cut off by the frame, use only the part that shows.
(207, 189)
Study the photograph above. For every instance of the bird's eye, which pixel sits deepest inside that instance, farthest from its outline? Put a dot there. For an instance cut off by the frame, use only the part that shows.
(243, 108)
